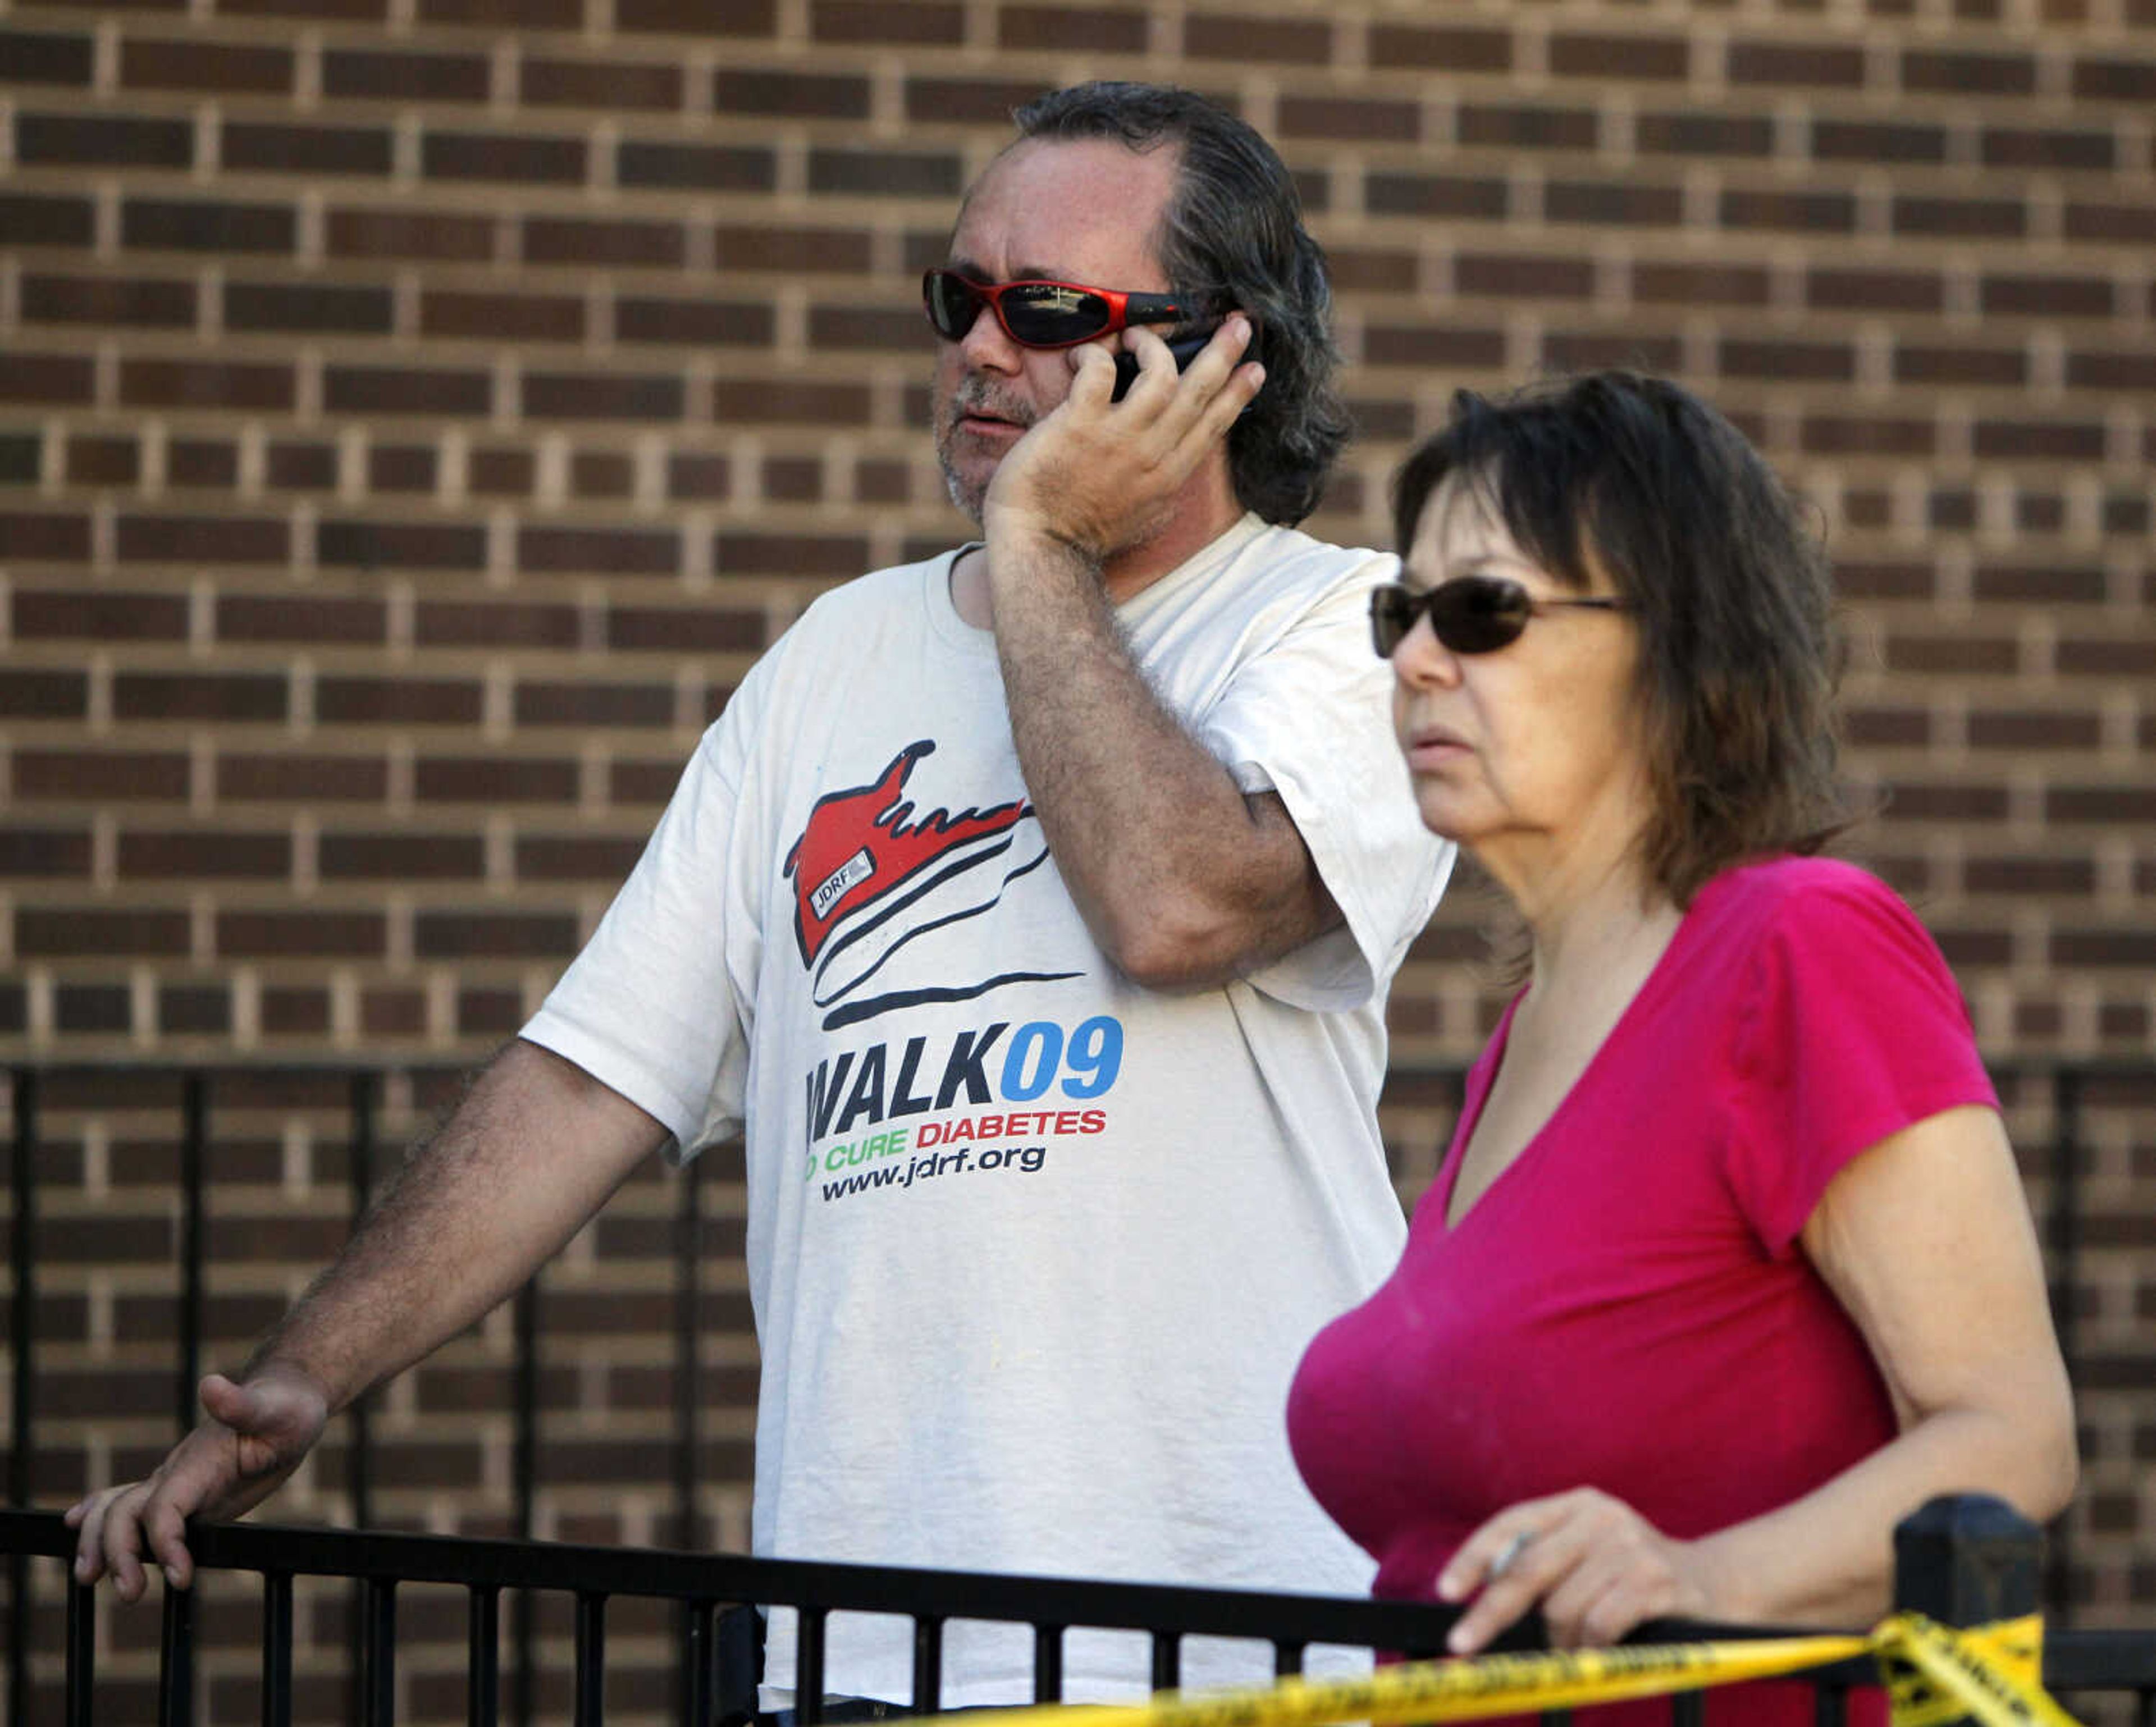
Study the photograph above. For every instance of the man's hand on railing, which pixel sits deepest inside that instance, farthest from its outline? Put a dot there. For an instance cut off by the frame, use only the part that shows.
(257, 1434)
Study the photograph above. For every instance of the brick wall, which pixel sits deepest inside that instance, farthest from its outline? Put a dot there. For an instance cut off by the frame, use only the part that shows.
(416, 414)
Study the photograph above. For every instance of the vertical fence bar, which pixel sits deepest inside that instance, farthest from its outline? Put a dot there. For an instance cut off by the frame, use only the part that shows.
(378, 1662)
(697, 1681)
(927, 1664)
(1047, 1663)
(21, 1404)
(2064, 1231)
(483, 1658)
(194, 1142)
(176, 1661)
(276, 1649)
(591, 1659)
(1287, 1660)
(524, 1466)
(1167, 1661)
(808, 1668)
(81, 1654)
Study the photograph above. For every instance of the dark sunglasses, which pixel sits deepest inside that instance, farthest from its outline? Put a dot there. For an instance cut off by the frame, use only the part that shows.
(1468, 614)
(1041, 314)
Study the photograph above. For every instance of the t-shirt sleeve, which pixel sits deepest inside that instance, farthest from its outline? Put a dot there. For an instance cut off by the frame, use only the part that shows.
(1311, 719)
(653, 1006)
(1853, 1029)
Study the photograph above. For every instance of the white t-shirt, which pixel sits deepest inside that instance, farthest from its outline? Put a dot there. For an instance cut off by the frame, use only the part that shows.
(1033, 1251)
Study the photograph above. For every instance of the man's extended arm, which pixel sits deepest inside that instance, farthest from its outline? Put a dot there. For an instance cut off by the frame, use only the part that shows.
(534, 1150)
(1183, 879)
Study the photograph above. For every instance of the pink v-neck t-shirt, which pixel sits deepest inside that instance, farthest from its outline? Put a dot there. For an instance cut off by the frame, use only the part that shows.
(1628, 1307)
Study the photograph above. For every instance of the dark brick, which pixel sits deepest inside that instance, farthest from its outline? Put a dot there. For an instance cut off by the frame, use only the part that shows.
(693, 477)
(206, 384)
(102, 141)
(1440, 195)
(503, 624)
(1951, 510)
(1683, 133)
(786, 401)
(1796, 63)
(350, 934)
(159, 224)
(27, 694)
(2049, 148)
(366, 701)
(1962, 218)
(41, 853)
(220, 855)
(96, 299)
(1900, 290)
(2047, 296)
(835, 328)
(375, 545)
(2036, 440)
(2076, 950)
(502, 317)
(401, 857)
(697, 323)
(241, 698)
(231, 68)
(2111, 224)
(545, 702)
(1457, 50)
(1878, 140)
(2048, 585)
(352, 619)
(34, 57)
(612, 86)
(501, 473)
(202, 462)
(302, 467)
(793, 479)
(442, 237)
(698, 17)
(1246, 36)
(33, 220)
(1515, 125)
(203, 540)
(505, 14)
(1843, 435)
(790, 554)
(402, 467)
(135, 776)
(571, 396)
(919, 24)
(264, 148)
(2124, 805)
(490, 156)
(488, 780)
(2111, 369)
(1799, 212)
(1925, 364)
(308, 308)
(691, 630)
(342, 11)
(1743, 285)
(2109, 80)
(104, 461)
(599, 244)
(866, 172)
(1581, 54)
(1613, 203)
(245, 777)
(739, 90)
(2034, 729)
(1565, 351)
(611, 551)
(84, 931)
(373, 74)
(194, 1011)
(1519, 277)
(1421, 345)
(1814, 362)
(1968, 73)
(90, 1009)
(22, 458)
(398, 389)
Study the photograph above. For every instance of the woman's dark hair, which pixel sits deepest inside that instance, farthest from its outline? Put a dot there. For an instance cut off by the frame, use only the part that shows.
(1738, 655)
(1232, 237)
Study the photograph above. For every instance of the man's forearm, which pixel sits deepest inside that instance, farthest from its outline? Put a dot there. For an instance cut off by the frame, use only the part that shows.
(1181, 877)
(534, 1148)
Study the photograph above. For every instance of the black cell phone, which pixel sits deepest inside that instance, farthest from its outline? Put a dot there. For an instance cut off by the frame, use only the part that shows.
(1185, 348)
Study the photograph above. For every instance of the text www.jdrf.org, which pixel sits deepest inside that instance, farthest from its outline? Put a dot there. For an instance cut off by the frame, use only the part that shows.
(930, 1165)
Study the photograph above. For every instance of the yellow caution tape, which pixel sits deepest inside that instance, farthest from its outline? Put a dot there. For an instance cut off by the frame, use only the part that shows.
(1935, 1675)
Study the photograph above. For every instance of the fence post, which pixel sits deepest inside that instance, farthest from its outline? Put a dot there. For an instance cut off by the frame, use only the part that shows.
(1967, 1558)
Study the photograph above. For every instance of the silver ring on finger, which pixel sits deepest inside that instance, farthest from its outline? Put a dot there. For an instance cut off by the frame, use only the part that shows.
(1509, 1554)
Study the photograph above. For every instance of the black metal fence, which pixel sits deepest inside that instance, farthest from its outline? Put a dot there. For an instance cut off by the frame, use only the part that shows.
(589, 1574)
(1960, 1560)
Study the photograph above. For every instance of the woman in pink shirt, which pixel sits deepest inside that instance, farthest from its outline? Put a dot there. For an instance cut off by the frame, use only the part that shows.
(1728, 1265)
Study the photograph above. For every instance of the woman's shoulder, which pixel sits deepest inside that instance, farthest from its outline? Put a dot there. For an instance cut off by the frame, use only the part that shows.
(1770, 888)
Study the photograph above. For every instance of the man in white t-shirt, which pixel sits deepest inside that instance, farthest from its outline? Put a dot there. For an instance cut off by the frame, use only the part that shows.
(1033, 909)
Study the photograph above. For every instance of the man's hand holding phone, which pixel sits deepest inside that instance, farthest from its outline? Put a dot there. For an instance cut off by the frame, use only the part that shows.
(1102, 472)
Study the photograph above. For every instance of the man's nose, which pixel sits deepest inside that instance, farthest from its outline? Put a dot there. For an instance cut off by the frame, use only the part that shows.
(988, 346)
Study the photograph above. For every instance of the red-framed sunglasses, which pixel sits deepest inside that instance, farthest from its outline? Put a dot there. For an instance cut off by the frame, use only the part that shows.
(1037, 314)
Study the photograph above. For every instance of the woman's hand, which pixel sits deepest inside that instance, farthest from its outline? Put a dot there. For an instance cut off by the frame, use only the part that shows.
(1597, 1566)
